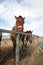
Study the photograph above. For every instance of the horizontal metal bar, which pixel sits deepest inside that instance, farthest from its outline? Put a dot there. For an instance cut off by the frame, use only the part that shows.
(13, 32)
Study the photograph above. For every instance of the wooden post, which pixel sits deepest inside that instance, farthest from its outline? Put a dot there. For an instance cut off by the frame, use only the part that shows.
(17, 49)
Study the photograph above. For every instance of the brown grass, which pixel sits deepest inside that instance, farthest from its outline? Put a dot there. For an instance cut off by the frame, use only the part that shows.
(34, 59)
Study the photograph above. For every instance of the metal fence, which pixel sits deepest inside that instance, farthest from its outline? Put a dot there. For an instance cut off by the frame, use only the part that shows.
(17, 41)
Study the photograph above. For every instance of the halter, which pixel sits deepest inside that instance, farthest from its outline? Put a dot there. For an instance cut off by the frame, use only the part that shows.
(19, 27)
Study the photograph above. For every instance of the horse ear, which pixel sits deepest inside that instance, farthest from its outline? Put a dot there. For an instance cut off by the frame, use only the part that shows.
(15, 17)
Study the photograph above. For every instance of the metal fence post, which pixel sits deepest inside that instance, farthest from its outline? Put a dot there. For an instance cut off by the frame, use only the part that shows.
(17, 49)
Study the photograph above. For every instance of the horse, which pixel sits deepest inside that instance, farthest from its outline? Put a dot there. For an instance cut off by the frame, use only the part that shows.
(27, 45)
(27, 38)
(18, 28)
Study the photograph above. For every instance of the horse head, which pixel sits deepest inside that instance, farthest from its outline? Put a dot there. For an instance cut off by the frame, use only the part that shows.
(19, 23)
(29, 36)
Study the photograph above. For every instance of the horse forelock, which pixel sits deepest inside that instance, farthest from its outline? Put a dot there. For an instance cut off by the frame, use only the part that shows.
(20, 16)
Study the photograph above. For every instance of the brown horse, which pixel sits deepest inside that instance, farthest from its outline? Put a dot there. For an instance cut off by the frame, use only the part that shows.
(17, 28)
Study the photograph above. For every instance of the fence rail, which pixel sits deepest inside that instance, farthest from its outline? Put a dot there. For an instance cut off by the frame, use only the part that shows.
(9, 31)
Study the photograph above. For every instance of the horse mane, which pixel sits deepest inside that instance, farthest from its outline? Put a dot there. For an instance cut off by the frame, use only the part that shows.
(28, 32)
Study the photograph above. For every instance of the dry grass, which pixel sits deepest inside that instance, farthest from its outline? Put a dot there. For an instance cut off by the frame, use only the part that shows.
(6, 44)
(38, 60)
(34, 59)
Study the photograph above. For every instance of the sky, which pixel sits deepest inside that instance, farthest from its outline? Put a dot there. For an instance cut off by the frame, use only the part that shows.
(32, 10)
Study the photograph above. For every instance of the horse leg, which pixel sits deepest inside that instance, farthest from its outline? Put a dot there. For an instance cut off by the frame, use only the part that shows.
(14, 46)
